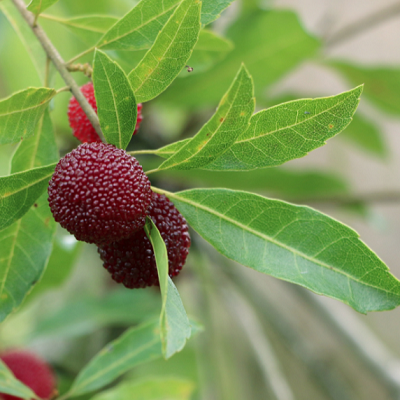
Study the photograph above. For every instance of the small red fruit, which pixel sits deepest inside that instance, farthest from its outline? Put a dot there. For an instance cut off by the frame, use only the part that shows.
(82, 129)
(99, 193)
(131, 261)
(30, 370)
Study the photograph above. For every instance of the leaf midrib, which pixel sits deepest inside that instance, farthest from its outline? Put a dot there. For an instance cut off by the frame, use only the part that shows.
(267, 238)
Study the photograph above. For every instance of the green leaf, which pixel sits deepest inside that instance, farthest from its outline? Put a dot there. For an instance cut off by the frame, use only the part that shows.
(169, 53)
(382, 85)
(209, 49)
(136, 346)
(367, 136)
(293, 243)
(25, 246)
(150, 389)
(174, 323)
(221, 131)
(88, 27)
(288, 131)
(27, 37)
(20, 113)
(212, 9)
(116, 103)
(269, 43)
(83, 316)
(11, 385)
(19, 191)
(38, 6)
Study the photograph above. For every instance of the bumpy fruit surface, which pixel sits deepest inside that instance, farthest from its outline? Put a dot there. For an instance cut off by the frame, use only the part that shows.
(131, 261)
(82, 129)
(30, 370)
(99, 193)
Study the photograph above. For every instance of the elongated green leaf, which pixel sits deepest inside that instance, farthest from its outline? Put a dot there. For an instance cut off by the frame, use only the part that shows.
(212, 9)
(20, 113)
(288, 131)
(27, 37)
(139, 28)
(209, 50)
(11, 385)
(89, 27)
(270, 44)
(135, 346)
(25, 246)
(367, 136)
(150, 389)
(229, 122)
(293, 243)
(38, 6)
(19, 191)
(116, 103)
(382, 85)
(174, 323)
(169, 53)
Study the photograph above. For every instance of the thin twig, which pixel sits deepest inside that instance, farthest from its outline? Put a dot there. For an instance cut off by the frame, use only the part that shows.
(59, 63)
(136, 152)
(364, 24)
(73, 59)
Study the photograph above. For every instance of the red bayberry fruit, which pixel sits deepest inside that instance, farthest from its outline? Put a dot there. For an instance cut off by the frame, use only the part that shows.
(99, 193)
(30, 370)
(131, 261)
(82, 129)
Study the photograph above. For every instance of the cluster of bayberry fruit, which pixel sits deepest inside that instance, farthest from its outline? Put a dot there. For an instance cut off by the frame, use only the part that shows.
(100, 194)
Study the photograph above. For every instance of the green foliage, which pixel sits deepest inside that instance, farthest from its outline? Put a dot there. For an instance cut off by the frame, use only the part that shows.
(137, 345)
(117, 108)
(266, 235)
(150, 389)
(20, 113)
(19, 191)
(174, 323)
(169, 53)
(382, 85)
(211, 10)
(221, 131)
(10, 385)
(38, 6)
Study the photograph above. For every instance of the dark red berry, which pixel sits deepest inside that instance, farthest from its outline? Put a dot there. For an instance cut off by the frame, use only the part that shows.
(30, 370)
(131, 261)
(99, 193)
(82, 129)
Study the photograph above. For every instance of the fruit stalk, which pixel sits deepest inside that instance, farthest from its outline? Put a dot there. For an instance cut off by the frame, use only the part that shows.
(59, 63)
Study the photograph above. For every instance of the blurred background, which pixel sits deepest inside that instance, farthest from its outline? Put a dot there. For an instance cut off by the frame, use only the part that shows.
(262, 338)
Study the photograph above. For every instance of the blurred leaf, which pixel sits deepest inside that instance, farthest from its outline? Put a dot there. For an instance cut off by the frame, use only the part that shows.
(27, 37)
(139, 28)
(137, 345)
(282, 133)
(366, 135)
(25, 246)
(174, 323)
(116, 103)
(293, 243)
(64, 253)
(228, 123)
(20, 113)
(19, 191)
(88, 27)
(121, 307)
(38, 6)
(11, 385)
(209, 49)
(382, 85)
(270, 43)
(211, 10)
(150, 389)
(169, 53)
(288, 131)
